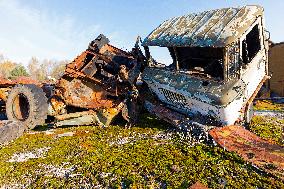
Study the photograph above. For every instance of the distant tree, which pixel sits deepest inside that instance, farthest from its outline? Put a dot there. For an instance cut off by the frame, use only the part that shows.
(41, 70)
(33, 68)
(6, 66)
(59, 69)
(19, 70)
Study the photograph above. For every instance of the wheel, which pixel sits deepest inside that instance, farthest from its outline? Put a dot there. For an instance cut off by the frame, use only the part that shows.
(27, 104)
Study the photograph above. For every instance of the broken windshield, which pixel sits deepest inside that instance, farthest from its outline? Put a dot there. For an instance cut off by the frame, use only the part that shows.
(161, 55)
(207, 61)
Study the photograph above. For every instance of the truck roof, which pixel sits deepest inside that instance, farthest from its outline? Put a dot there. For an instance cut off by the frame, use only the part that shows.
(213, 28)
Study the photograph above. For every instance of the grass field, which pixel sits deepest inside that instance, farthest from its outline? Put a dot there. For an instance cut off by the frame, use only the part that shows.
(150, 155)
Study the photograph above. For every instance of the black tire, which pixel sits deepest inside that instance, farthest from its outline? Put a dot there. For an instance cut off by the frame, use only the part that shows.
(27, 104)
(10, 130)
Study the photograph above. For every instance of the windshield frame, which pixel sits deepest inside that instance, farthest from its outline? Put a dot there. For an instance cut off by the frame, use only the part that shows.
(176, 66)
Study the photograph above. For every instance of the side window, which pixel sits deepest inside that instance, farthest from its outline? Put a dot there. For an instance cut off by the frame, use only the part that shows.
(251, 45)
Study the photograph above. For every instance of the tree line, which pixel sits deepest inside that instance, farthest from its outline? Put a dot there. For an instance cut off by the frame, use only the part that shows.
(36, 69)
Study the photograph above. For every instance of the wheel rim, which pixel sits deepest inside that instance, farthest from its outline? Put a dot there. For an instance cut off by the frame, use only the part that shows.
(21, 107)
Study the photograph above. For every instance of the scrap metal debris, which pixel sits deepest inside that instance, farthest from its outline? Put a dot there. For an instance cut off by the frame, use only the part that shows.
(261, 153)
(95, 88)
(99, 80)
(192, 131)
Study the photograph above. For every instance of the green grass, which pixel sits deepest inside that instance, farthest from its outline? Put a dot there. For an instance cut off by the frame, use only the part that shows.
(269, 128)
(268, 105)
(99, 159)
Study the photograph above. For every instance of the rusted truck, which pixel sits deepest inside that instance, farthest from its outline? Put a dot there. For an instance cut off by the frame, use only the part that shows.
(219, 63)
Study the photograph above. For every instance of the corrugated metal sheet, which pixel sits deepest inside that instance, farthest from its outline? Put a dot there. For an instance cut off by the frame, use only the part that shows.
(216, 28)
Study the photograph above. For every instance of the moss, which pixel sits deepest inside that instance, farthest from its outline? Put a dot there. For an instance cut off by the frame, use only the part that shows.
(268, 105)
(143, 161)
(269, 128)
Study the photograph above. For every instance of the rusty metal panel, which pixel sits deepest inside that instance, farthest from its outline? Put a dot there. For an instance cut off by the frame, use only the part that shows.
(83, 94)
(261, 153)
(90, 69)
(216, 28)
(26, 80)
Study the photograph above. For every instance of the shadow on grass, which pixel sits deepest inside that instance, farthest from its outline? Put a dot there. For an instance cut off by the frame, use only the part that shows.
(44, 127)
(145, 120)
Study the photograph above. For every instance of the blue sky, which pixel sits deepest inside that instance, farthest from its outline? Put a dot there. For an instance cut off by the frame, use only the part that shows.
(61, 29)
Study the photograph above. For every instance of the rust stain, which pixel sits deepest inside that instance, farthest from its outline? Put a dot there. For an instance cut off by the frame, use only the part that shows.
(263, 154)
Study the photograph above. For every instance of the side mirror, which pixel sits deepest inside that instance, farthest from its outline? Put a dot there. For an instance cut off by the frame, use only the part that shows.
(267, 35)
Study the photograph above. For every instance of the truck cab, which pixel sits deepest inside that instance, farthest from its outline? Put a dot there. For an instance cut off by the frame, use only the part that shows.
(219, 63)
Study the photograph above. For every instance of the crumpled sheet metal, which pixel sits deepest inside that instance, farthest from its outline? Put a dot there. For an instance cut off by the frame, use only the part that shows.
(80, 93)
(216, 28)
(261, 153)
